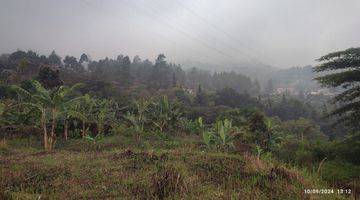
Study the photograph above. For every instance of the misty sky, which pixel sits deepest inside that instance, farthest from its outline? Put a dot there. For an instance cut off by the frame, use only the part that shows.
(281, 33)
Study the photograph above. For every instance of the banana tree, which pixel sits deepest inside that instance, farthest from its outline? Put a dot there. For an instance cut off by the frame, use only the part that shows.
(138, 117)
(87, 108)
(272, 135)
(51, 104)
(14, 118)
(224, 133)
(199, 125)
(165, 114)
(208, 137)
(135, 121)
(71, 113)
(220, 135)
(187, 125)
(105, 114)
(141, 109)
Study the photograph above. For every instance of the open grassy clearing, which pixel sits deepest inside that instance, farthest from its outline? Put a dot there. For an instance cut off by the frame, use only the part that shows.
(120, 167)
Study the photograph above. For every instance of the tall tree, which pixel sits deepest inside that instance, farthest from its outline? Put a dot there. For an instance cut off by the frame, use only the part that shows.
(200, 98)
(126, 76)
(161, 74)
(137, 60)
(83, 58)
(49, 77)
(54, 59)
(230, 97)
(70, 61)
(345, 66)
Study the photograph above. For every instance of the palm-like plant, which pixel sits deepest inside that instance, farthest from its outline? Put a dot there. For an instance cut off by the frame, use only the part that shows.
(138, 118)
(135, 121)
(51, 104)
(208, 137)
(221, 135)
(224, 133)
(161, 113)
(86, 107)
(199, 125)
(165, 113)
(105, 113)
(142, 107)
(273, 136)
(11, 118)
(71, 113)
(189, 126)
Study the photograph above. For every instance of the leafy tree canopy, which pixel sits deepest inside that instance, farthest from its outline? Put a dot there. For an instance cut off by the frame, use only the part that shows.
(345, 66)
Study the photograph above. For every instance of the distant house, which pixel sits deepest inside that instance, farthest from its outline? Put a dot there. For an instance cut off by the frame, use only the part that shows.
(322, 91)
(288, 90)
(190, 91)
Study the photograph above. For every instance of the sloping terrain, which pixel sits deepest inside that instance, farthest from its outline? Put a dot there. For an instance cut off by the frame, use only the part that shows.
(118, 168)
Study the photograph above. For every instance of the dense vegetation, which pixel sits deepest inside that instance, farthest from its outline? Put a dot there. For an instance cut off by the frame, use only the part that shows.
(347, 64)
(138, 129)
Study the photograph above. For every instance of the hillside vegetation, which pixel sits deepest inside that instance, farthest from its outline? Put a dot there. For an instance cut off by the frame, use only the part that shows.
(152, 168)
(121, 129)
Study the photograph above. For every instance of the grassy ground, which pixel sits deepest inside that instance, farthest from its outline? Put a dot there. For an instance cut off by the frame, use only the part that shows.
(119, 167)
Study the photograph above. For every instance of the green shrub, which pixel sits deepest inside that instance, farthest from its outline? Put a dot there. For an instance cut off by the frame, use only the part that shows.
(303, 157)
(338, 172)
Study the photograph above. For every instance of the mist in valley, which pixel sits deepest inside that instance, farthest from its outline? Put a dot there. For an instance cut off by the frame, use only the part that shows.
(179, 99)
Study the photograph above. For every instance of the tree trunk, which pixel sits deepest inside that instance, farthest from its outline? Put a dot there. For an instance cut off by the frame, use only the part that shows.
(302, 136)
(269, 140)
(100, 129)
(53, 126)
(66, 130)
(83, 129)
(43, 124)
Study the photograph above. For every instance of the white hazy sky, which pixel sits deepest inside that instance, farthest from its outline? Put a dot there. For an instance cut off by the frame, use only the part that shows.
(282, 33)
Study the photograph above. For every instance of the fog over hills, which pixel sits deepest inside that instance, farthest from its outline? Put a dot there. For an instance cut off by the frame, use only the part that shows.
(279, 33)
(299, 77)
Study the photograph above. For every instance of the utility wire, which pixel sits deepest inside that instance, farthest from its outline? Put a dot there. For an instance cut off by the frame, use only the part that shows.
(212, 37)
(221, 30)
(184, 33)
(215, 27)
(163, 36)
(204, 20)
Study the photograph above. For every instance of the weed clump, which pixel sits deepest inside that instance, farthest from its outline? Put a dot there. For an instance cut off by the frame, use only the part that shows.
(35, 179)
(169, 181)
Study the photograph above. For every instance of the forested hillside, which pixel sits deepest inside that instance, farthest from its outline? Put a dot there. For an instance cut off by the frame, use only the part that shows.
(126, 127)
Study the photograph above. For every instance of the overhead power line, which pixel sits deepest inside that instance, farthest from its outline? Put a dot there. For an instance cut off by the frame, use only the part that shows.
(182, 32)
(216, 28)
(222, 31)
(204, 20)
(163, 36)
